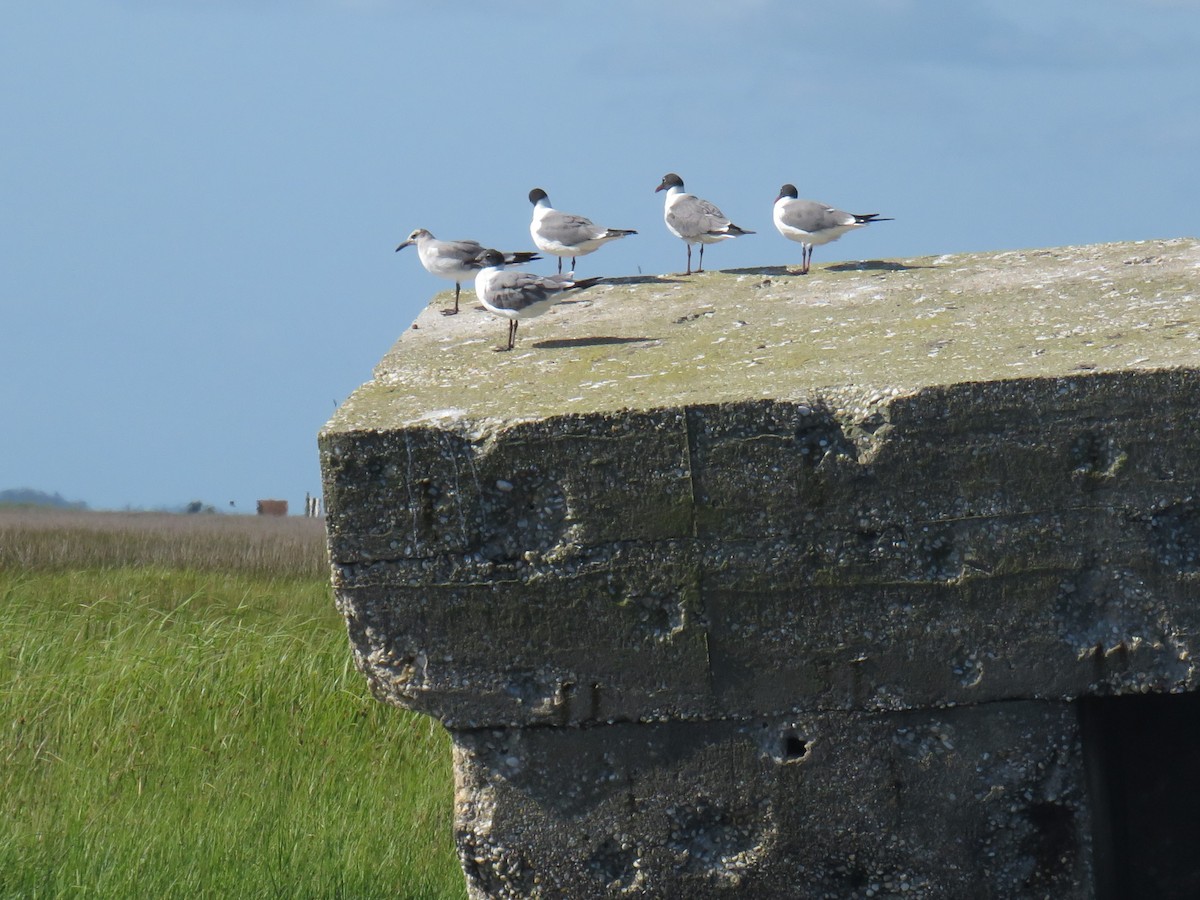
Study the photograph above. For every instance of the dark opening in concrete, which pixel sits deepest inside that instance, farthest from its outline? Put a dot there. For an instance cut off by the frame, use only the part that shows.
(794, 747)
(1143, 768)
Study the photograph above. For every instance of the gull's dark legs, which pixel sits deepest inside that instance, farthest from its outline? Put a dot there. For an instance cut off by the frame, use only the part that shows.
(700, 268)
(560, 265)
(512, 336)
(689, 265)
(457, 291)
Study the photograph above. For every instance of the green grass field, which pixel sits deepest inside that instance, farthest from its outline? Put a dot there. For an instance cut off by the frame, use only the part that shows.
(181, 718)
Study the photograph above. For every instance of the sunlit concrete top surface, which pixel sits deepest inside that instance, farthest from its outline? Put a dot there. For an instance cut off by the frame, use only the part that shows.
(874, 328)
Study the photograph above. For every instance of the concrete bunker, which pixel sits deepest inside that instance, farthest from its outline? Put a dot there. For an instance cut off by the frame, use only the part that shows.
(858, 584)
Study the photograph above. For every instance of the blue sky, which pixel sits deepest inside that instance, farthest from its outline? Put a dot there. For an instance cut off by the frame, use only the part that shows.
(200, 200)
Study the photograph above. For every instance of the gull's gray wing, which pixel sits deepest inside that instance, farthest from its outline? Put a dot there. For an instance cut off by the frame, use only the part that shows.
(518, 290)
(460, 250)
(811, 216)
(692, 216)
(568, 230)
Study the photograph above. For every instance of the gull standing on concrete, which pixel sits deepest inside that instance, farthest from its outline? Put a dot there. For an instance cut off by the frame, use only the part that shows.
(809, 223)
(563, 234)
(453, 259)
(694, 221)
(519, 295)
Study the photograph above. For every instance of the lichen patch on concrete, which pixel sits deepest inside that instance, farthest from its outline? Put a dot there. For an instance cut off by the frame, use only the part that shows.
(895, 325)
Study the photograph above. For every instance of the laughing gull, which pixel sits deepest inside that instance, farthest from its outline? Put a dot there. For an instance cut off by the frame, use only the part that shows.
(809, 223)
(519, 295)
(452, 259)
(565, 235)
(694, 221)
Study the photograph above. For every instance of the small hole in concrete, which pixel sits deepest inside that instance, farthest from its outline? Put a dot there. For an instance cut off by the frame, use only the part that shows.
(795, 748)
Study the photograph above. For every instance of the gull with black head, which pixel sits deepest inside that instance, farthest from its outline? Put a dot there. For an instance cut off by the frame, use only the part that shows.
(564, 234)
(693, 220)
(809, 223)
(519, 295)
(454, 260)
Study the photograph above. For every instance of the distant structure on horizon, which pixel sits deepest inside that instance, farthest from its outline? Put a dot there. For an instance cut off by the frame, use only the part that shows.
(272, 507)
(312, 507)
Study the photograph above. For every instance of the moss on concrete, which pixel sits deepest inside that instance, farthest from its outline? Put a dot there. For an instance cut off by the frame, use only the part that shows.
(880, 328)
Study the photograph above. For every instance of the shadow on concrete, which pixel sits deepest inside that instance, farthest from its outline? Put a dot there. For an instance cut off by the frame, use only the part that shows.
(866, 265)
(872, 265)
(644, 279)
(760, 270)
(562, 343)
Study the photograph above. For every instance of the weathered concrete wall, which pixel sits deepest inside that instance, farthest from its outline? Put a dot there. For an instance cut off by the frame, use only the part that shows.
(769, 585)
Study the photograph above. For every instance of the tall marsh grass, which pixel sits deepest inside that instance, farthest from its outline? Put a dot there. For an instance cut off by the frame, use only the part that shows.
(199, 730)
(257, 545)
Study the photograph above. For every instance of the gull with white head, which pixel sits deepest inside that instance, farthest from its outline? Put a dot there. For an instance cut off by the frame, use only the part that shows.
(453, 259)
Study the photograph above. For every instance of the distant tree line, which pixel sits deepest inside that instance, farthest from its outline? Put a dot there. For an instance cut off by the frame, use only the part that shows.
(30, 497)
